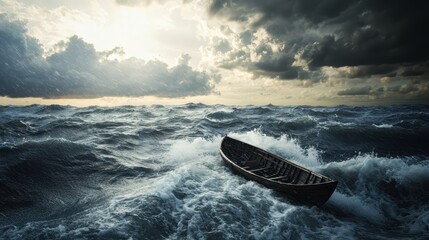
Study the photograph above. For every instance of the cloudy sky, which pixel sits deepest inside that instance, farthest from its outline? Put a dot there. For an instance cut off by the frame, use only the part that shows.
(283, 52)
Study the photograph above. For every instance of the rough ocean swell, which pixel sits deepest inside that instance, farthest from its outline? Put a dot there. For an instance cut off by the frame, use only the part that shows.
(154, 172)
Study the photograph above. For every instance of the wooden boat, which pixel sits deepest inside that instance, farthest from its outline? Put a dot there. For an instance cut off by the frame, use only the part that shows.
(301, 185)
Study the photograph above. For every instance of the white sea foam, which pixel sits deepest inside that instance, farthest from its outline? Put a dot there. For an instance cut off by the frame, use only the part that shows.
(383, 125)
(330, 123)
(185, 150)
(285, 146)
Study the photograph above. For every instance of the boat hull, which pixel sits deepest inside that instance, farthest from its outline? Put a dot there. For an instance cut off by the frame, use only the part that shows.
(308, 194)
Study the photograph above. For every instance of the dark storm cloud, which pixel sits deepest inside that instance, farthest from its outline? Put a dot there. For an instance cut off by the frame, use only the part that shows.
(277, 67)
(408, 88)
(416, 70)
(371, 70)
(269, 62)
(80, 71)
(377, 36)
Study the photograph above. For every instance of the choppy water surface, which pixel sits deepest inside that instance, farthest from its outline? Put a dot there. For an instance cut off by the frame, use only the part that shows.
(154, 172)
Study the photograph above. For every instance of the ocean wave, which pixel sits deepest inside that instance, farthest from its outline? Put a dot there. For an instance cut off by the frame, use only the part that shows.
(296, 124)
(364, 138)
(133, 172)
(221, 115)
(49, 109)
(382, 190)
(33, 169)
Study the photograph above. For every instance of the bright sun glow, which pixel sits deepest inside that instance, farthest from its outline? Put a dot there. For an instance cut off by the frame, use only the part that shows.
(155, 32)
(135, 29)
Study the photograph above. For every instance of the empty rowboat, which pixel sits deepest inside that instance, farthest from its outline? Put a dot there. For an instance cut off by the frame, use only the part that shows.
(301, 185)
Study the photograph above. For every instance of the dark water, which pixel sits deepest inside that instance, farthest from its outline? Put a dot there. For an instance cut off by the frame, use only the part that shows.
(155, 172)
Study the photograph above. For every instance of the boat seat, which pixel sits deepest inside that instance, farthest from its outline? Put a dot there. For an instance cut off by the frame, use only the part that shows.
(248, 164)
(278, 178)
(260, 169)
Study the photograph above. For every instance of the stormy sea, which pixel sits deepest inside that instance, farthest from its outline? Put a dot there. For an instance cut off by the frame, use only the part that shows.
(154, 172)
